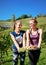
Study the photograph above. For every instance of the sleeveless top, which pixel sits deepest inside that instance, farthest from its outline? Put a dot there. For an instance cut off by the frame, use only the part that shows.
(34, 38)
(19, 39)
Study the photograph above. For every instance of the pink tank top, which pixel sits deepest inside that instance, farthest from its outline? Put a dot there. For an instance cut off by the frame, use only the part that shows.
(34, 38)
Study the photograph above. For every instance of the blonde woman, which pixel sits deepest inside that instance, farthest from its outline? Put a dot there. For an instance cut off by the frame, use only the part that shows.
(18, 37)
(34, 39)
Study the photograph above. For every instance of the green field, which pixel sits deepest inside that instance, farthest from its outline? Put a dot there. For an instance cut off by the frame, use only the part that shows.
(7, 60)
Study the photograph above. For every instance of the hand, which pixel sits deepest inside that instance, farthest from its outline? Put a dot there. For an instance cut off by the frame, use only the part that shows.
(32, 47)
(38, 47)
(28, 47)
(18, 49)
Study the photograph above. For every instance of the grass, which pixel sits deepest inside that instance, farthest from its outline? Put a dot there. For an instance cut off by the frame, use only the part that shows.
(25, 22)
(7, 60)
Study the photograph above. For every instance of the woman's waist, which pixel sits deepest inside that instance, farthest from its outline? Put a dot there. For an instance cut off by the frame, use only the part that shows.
(34, 42)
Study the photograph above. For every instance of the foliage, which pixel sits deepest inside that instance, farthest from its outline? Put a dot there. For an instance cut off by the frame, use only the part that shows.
(6, 43)
(41, 15)
(24, 16)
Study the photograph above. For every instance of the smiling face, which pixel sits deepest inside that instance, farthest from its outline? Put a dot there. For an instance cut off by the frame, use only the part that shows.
(33, 24)
(18, 25)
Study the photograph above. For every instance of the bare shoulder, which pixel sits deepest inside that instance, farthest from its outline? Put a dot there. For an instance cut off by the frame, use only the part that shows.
(40, 30)
(10, 34)
(28, 31)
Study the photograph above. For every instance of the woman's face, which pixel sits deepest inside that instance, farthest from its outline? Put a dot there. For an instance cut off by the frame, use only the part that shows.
(32, 24)
(18, 25)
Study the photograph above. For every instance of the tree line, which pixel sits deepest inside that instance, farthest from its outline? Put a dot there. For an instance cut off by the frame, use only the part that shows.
(24, 16)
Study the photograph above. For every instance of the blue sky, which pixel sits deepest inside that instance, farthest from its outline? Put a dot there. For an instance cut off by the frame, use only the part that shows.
(19, 7)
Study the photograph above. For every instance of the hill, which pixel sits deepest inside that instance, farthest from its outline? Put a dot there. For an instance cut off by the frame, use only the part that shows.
(25, 22)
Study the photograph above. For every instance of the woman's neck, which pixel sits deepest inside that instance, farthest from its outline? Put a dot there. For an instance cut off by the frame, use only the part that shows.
(17, 31)
(34, 29)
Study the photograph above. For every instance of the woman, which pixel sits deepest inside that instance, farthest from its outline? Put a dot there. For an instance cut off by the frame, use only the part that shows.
(18, 37)
(34, 39)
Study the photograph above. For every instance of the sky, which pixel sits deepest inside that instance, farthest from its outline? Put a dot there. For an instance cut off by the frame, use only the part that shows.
(20, 7)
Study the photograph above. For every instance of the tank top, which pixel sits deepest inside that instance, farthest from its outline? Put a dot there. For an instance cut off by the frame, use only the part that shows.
(34, 38)
(19, 39)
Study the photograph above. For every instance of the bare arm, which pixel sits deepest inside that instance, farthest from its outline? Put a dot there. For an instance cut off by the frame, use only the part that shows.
(15, 42)
(24, 40)
(40, 38)
(28, 38)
